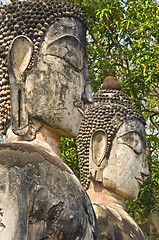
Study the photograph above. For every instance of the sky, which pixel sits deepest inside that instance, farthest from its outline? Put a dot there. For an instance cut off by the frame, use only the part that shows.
(4, 1)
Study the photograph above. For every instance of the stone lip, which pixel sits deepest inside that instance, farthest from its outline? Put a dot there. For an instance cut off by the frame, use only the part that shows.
(111, 83)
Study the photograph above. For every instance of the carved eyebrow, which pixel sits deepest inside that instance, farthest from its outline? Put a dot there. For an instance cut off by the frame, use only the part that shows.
(68, 36)
(138, 133)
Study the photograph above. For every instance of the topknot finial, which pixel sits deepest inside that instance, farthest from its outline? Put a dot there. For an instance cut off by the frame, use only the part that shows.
(111, 83)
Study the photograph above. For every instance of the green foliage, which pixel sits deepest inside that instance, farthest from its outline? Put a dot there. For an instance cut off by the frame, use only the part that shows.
(1, 138)
(123, 36)
(68, 153)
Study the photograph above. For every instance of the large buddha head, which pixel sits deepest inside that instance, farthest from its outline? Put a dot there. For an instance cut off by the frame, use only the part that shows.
(112, 143)
(43, 66)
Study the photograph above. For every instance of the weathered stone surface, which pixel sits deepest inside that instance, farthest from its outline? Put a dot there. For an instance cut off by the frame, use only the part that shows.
(61, 72)
(116, 224)
(112, 157)
(40, 197)
(44, 85)
(21, 59)
(127, 165)
(151, 225)
(31, 19)
(109, 109)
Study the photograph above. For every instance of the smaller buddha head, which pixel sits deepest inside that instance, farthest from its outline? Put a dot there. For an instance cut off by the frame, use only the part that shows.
(112, 143)
(43, 70)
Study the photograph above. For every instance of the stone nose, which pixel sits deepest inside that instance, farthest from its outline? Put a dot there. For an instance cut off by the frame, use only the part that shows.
(145, 170)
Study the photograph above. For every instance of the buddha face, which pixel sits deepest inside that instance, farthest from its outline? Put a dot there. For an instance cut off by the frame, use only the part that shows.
(58, 85)
(127, 167)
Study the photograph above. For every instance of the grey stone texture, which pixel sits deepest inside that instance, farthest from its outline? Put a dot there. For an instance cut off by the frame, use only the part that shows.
(51, 90)
(44, 85)
(31, 19)
(112, 159)
(110, 107)
(116, 224)
(40, 198)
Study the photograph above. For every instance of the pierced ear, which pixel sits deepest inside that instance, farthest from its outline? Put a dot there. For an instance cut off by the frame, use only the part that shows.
(98, 146)
(19, 57)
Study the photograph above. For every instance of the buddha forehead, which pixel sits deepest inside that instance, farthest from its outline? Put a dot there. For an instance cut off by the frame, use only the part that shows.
(66, 27)
(134, 126)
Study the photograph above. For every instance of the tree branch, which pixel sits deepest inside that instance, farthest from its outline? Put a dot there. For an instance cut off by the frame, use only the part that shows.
(151, 119)
(152, 110)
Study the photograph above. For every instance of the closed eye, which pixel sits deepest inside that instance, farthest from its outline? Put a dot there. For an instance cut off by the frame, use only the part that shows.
(132, 140)
(70, 49)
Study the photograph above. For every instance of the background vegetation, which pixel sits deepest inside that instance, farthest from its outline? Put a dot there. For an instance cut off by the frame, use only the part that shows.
(123, 40)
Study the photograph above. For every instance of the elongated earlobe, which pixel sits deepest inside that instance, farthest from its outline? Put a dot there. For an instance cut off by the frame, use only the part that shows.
(97, 152)
(19, 56)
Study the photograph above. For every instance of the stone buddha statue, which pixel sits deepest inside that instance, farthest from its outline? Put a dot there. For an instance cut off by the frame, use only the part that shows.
(44, 86)
(112, 159)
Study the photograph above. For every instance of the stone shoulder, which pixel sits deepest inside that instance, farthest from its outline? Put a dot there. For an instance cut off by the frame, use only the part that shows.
(58, 206)
(115, 223)
(23, 153)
